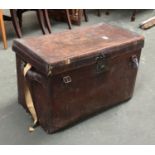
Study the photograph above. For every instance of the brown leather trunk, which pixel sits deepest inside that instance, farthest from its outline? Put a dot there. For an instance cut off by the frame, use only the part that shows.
(78, 73)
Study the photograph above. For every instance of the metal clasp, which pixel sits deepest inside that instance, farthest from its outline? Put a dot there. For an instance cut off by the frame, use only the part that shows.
(101, 67)
(135, 61)
(67, 79)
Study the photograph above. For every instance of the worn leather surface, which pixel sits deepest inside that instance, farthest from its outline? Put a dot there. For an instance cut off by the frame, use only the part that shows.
(61, 47)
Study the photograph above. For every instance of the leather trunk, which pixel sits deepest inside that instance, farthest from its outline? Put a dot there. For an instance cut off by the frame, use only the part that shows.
(78, 73)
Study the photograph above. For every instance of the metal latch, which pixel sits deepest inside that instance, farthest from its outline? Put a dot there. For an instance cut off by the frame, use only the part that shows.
(67, 79)
(135, 61)
(100, 60)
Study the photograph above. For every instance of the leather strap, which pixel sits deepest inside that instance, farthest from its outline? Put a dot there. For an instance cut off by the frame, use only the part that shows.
(29, 101)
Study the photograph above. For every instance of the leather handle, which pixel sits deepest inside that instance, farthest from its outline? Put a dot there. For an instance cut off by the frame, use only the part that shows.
(32, 75)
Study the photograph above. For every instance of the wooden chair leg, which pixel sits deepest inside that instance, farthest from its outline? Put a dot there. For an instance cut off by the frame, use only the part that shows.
(15, 23)
(107, 12)
(41, 20)
(99, 12)
(68, 19)
(20, 15)
(80, 14)
(133, 15)
(85, 15)
(47, 21)
(2, 28)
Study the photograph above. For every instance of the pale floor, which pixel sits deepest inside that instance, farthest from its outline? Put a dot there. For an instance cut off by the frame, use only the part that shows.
(129, 123)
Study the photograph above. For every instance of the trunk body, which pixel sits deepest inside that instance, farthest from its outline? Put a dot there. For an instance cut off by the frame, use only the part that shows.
(70, 89)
